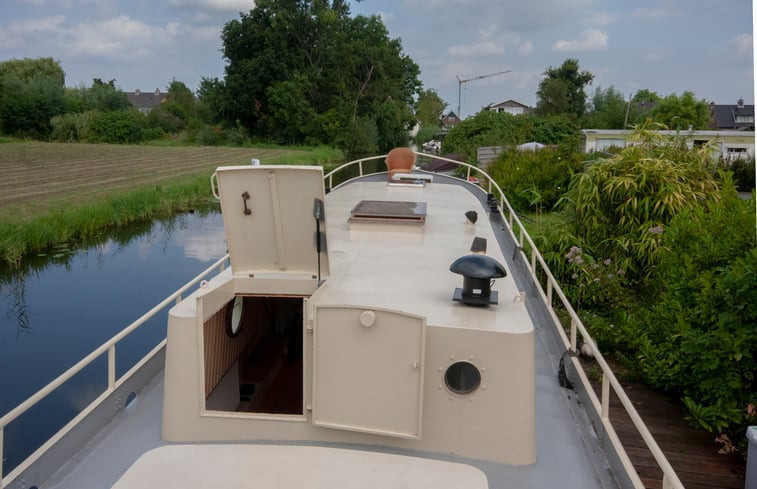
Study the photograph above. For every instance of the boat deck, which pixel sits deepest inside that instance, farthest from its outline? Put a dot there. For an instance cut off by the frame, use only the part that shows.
(568, 452)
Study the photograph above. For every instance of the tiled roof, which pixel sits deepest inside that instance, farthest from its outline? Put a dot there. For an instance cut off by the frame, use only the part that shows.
(146, 100)
(725, 116)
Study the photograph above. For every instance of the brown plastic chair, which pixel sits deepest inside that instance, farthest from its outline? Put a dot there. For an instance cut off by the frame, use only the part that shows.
(399, 160)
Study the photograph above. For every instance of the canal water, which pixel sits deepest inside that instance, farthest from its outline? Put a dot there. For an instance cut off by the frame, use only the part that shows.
(62, 304)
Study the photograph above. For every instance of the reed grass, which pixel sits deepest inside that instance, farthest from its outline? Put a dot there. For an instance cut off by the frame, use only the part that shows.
(75, 224)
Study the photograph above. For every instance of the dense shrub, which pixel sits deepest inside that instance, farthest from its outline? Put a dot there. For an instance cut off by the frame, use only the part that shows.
(210, 136)
(164, 120)
(534, 180)
(73, 127)
(488, 128)
(743, 173)
(621, 205)
(26, 106)
(116, 127)
(699, 340)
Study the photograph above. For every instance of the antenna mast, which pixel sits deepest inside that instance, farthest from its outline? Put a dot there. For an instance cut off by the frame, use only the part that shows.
(460, 82)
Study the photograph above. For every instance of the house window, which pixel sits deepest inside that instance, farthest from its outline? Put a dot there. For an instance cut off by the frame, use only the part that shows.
(513, 110)
(744, 118)
(603, 144)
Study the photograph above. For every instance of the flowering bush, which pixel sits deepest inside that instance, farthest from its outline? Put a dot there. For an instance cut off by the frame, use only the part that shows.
(594, 283)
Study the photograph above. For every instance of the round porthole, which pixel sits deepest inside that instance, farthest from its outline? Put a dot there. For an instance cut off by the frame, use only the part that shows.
(462, 378)
(234, 314)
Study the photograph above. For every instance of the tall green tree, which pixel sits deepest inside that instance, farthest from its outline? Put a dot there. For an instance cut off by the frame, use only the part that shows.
(607, 110)
(642, 103)
(429, 108)
(301, 71)
(682, 112)
(103, 96)
(31, 93)
(562, 90)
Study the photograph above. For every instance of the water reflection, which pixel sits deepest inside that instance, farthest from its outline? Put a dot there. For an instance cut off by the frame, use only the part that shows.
(63, 303)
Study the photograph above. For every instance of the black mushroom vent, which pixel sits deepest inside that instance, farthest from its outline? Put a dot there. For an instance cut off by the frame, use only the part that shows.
(478, 271)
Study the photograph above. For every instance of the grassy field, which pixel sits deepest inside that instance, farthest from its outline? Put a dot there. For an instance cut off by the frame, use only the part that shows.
(39, 178)
(53, 193)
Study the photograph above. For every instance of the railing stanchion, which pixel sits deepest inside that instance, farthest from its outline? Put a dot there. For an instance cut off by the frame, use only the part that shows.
(605, 397)
(549, 294)
(572, 334)
(112, 366)
(360, 165)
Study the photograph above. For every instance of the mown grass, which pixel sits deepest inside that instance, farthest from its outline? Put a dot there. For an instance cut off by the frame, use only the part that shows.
(75, 223)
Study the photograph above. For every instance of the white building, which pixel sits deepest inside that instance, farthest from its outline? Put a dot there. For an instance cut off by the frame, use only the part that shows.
(729, 144)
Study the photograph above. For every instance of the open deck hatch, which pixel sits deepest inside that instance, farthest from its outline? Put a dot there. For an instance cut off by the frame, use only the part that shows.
(274, 219)
(259, 367)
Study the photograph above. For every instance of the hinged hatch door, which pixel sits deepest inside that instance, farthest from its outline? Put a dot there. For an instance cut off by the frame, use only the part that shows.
(274, 219)
(368, 370)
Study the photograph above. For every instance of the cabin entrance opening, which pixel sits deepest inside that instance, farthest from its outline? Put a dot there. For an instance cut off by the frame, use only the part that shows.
(254, 356)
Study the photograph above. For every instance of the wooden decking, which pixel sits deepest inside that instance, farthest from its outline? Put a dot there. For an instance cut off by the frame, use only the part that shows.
(692, 453)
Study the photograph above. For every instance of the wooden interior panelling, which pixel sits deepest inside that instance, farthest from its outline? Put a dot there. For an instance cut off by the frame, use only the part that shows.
(221, 351)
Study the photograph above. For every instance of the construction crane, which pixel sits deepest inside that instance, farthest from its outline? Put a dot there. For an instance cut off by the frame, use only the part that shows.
(460, 82)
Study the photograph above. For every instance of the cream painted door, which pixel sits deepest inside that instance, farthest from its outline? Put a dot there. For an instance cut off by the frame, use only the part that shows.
(368, 370)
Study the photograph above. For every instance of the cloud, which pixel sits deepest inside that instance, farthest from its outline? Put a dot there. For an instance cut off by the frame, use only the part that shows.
(588, 40)
(120, 37)
(652, 13)
(654, 55)
(601, 18)
(742, 43)
(482, 48)
(526, 48)
(16, 33)
(491, 42)
(218, 5)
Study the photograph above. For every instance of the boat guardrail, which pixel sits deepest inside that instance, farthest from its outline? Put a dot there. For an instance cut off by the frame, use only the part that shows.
(113, 382)
(609, 381)
(600, 404)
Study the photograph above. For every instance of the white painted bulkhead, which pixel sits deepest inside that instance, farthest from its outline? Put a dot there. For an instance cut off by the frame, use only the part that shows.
(398, 280)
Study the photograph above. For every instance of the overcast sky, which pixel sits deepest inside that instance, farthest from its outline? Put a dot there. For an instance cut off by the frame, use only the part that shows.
(664, 45)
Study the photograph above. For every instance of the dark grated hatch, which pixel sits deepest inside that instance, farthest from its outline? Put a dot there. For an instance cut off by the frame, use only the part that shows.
(389, 211)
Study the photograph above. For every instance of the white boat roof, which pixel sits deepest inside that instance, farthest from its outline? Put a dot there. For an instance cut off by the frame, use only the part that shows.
(271, 466)
(406, 266)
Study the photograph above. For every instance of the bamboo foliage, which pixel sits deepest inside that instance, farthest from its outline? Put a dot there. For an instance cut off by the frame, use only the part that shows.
(622, 204)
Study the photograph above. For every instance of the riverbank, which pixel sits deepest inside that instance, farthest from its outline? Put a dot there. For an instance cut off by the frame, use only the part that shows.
(55, 193)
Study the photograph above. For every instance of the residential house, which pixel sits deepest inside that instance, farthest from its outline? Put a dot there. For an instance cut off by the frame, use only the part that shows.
(729, 144)
(450, 120)
(510, 106)
(737, 117)
(146, 101)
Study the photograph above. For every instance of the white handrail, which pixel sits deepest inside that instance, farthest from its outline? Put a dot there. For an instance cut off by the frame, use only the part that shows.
(109, 347)
(670, 478)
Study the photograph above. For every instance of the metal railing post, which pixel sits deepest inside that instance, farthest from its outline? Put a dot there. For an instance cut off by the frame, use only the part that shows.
(605, 397)
(573, 334)
(112, 367)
